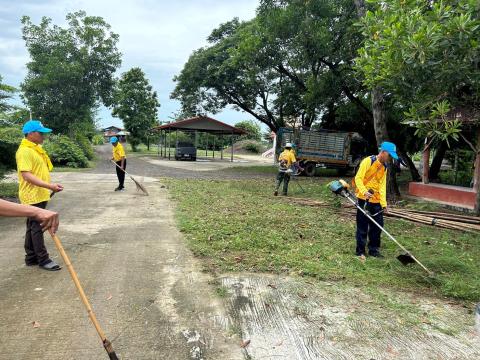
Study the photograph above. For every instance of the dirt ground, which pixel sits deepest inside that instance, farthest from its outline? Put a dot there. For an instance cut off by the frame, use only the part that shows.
(155, 302)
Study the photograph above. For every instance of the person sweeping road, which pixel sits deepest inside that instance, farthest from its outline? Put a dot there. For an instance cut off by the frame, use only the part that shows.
(371, 192)
(33, 167)
(120, 159)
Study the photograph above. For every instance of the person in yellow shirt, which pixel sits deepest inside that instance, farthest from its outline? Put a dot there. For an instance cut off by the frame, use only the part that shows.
(121, 160)
(285, 162)
(33, 167)
(371, 193)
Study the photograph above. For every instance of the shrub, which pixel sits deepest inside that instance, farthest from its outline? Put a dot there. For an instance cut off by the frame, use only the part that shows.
(98, 140)
(253, 146)
(10, 138)
(85, 145)
(63, 151)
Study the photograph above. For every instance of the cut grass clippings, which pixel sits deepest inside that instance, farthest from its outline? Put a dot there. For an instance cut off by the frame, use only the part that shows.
(237, 225)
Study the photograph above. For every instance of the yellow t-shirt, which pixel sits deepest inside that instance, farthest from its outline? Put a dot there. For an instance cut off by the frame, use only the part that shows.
(286, 159)
(376, 173)
(118, 152)
(30, 160)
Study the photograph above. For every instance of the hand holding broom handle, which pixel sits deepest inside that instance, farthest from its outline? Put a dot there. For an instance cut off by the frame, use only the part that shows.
(106, 344)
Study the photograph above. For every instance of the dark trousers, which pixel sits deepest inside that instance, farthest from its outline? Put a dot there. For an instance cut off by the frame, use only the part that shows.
(285, 177)
(366, 227)
(35, 250)
(120, 173)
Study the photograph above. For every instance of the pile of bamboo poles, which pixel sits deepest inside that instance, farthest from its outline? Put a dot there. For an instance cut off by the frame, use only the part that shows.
(440, 219)
(444, 220)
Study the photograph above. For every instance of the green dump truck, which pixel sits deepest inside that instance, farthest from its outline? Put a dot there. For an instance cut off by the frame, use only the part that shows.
(323, 148)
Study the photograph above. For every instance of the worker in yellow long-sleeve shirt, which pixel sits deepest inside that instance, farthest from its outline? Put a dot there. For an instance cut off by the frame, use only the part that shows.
(285, 162)
(371, 192)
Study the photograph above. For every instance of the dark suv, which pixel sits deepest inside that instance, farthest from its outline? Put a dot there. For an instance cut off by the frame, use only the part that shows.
(185, 150)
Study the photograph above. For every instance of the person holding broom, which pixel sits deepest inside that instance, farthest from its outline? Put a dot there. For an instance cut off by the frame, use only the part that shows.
(371, 192)
(120, 159)
(49, 220)
(35, 189)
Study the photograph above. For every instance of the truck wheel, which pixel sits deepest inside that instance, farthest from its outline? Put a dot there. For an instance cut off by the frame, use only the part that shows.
(342, 171)
(309, 169)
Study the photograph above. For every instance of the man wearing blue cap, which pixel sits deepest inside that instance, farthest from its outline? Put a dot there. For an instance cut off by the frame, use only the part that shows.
(33, 167)
(371, 191)
(121, 160)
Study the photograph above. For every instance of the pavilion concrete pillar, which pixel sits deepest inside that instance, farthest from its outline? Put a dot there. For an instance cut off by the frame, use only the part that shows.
(160, 142)
(231, 142)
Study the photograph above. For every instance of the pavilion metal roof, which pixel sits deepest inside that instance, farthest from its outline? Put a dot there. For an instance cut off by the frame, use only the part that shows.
(201, 123)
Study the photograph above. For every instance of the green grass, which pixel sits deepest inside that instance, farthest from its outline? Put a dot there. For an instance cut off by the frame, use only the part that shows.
(255, 169)
(91, 164)
(239, 225)
(8, 189)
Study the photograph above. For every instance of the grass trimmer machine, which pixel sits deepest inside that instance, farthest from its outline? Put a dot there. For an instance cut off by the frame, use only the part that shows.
(341, 188)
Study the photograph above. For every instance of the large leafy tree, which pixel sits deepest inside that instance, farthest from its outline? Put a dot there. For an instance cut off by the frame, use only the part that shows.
(426, 54)
(252, 129)
(290, 64)
(213, 78)
(71, 70)
(6, 93)
(135, 103)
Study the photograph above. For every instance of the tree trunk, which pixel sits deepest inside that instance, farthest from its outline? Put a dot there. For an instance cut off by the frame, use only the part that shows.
(381, 135)
(379, 123)
(437, 161)
(360, 5)
(378, 109)
(414, 174)
(426, 161)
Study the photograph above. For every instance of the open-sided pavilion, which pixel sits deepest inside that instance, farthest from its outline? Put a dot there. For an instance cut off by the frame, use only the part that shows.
(193, 126)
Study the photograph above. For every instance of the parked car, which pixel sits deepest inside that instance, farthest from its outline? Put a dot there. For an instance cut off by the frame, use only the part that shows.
(185, 151)
(323, 148)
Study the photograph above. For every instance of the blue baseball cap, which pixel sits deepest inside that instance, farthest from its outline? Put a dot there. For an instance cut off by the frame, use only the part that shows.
(113, 139)
(390, 148)
(35, 126)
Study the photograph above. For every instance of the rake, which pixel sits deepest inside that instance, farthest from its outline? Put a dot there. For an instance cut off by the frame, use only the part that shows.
(137, 184)
(106, 344)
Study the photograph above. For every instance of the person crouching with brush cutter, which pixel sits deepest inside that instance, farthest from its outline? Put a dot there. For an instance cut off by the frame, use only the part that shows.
(120, 160)
(371, 192)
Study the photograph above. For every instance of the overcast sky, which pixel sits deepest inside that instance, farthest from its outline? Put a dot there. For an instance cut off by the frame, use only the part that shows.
(157, 36)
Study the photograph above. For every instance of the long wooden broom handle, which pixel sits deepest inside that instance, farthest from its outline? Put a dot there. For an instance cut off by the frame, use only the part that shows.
(121, 168)
(79, 287)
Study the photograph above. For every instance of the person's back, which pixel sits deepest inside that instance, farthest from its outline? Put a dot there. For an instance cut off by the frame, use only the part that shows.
(286, 159)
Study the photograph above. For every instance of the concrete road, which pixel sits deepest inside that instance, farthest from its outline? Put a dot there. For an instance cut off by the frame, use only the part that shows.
(147, 290)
